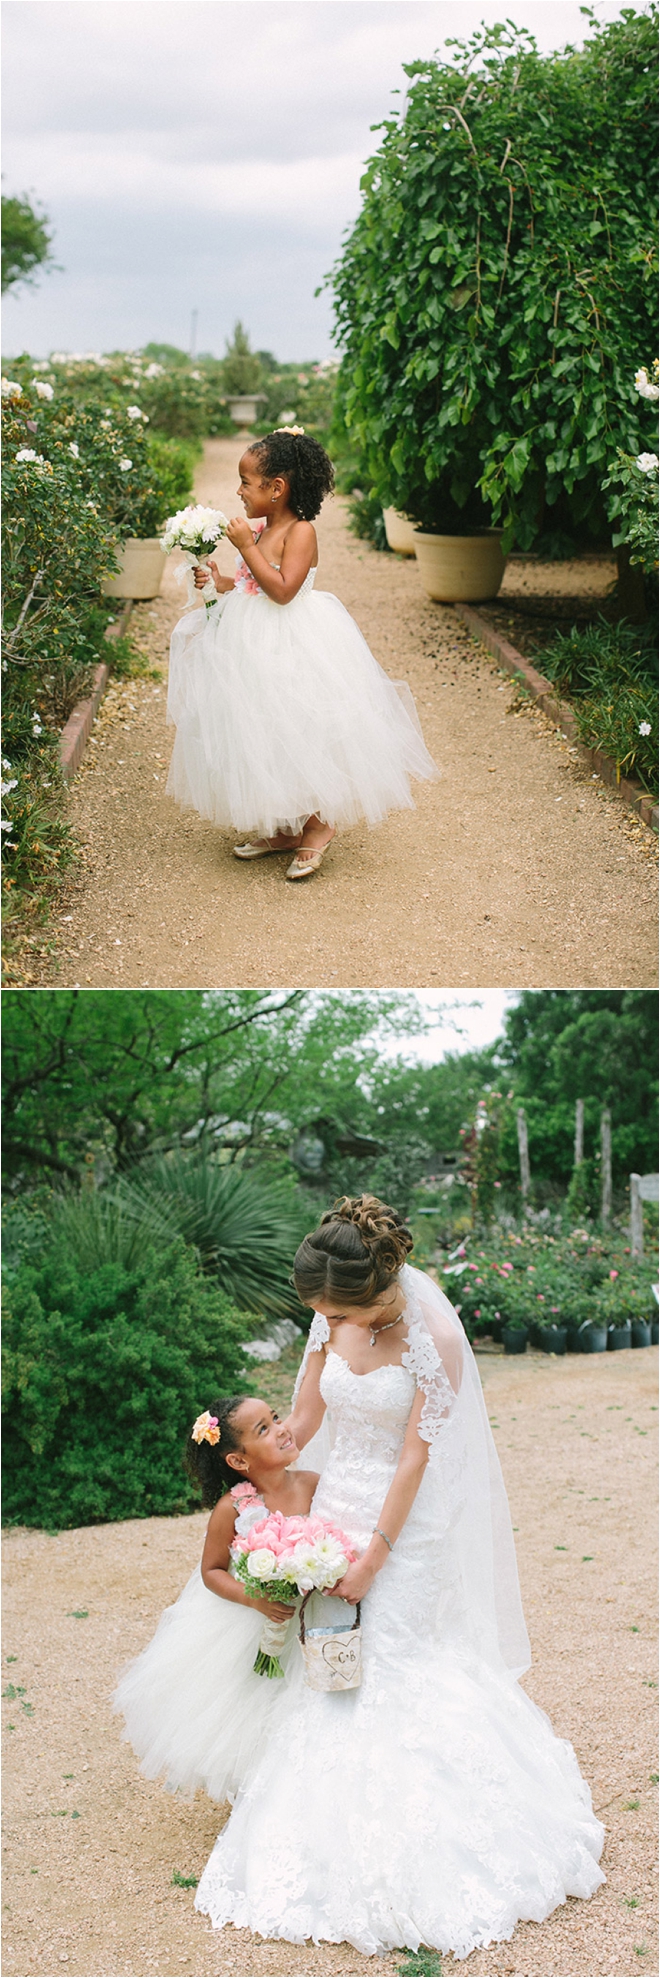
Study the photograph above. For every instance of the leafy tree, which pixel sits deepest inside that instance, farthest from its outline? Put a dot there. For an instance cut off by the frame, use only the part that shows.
(496, 290)
(103, 1373)
(593, 1044)
(26, 242)
(119, 1076)
(241, 370)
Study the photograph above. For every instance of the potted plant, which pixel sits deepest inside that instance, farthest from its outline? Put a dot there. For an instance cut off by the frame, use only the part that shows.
(553, 1338)
(515, 1335)
(400, 532)
(640, 1332)
(157, 483)
(593, 1336)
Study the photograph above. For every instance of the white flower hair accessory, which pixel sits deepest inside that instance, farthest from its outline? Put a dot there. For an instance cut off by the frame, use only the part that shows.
(296, 430)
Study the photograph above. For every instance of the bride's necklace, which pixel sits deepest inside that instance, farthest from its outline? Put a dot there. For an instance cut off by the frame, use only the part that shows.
(376, 1330)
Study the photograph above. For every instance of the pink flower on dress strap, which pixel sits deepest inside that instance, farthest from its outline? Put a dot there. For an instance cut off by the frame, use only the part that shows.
(242, 1492)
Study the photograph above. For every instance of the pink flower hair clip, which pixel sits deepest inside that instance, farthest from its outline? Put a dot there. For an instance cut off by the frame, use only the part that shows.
(205, 1429)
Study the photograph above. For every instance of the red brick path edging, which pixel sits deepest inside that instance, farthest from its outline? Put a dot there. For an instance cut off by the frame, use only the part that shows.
(76, 734)
(542, 691)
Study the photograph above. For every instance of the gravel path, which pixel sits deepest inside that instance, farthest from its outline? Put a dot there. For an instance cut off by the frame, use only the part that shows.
(516, 867)
(576, 1442)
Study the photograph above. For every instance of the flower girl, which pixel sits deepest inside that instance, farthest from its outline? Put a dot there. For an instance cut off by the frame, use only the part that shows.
(195, 1712)
(286, 724)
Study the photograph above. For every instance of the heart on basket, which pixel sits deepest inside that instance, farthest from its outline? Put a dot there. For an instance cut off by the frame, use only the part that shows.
(342, 1658)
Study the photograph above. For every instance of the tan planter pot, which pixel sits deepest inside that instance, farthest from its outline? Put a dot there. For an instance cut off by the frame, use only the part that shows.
(460, 569)
(142, 562)
(399, 531)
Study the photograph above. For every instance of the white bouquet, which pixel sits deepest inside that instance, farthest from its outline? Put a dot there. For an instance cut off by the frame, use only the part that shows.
(195, 531)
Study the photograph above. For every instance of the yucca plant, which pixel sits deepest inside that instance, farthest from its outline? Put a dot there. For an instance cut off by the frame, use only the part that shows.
(245, 1229)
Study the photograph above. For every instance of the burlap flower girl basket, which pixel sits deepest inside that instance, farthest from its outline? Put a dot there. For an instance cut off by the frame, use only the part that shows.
(332, 1656)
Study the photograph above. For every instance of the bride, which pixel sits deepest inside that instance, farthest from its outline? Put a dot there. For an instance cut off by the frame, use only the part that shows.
(434, 1804)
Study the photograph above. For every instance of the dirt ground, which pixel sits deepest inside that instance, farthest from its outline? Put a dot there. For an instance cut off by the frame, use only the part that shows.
(576, 1440)
(516, 867)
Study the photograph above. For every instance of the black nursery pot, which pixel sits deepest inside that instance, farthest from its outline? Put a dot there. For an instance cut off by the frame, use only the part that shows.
(553, 1339)
(641, 1332)
(574, 1339)
(515, 1339)
(594, 1339)
(618, 1337)
(654, 1331)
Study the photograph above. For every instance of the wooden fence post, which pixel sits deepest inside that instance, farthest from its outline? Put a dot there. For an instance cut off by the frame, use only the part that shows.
(636, 1217)
(606, 1165)
(523, 1152)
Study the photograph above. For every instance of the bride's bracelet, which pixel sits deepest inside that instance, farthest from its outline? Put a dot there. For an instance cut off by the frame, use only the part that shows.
(379, 1534)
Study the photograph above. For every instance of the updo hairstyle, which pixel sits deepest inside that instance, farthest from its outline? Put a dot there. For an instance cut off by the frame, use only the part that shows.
(302, 462)
(354, 1255)
(205, 1461)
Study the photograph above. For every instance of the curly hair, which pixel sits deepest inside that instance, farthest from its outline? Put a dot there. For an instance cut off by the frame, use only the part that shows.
(302, 462)
(205, 1461)
(354, 1255)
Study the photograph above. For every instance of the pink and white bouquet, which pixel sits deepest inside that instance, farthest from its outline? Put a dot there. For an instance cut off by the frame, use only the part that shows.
(280, 1558)
(195, 530)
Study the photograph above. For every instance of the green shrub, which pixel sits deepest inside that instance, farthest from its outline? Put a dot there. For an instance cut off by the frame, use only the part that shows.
(610, 674)
(245, 1229)
(497, 286)
(104, 1371)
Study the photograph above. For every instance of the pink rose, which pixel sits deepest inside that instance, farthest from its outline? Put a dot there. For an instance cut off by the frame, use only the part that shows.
(614, 1273)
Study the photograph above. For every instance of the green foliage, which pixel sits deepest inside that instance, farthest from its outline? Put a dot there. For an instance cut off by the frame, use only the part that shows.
(26, 242)
(241, 370)
(104, 1371)
(610, 673)
(307, 391)
(421, 1964)
(497, 286)
(540, 1278)
(245, 1228)
(634, 510)
(181, 400)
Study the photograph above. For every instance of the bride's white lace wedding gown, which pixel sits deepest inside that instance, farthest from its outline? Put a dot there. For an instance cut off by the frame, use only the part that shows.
(434, 1804)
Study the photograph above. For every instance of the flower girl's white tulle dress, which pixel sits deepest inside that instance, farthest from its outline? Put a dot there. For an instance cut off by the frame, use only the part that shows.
(281, 712)
(432, 1805)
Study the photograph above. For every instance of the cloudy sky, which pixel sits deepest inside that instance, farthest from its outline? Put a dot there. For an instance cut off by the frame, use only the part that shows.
(206, 154)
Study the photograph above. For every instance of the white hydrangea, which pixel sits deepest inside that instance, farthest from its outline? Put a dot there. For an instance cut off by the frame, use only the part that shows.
(43, 390)
(647, 463)
(10, 389)
(644, 386)
(133, 412)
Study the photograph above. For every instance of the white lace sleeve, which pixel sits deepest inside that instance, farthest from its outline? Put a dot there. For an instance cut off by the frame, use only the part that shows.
(319, 1334)
(423, 1360)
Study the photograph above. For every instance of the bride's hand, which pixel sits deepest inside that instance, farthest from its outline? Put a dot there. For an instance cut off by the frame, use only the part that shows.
(356, 1582)
(239, 533)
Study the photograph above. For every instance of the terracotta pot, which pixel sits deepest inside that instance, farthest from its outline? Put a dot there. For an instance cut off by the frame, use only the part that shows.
(142, 562)
(460, 569)
(399, 531)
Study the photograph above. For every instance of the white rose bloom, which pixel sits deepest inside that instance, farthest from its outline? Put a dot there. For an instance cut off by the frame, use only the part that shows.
(74, 449)
(645, 389)
(43, 390)
(11, 390)
(263, 1565)
(133, 412)
(647, 463)
(28, 453)
(124, 465)
(154, 371)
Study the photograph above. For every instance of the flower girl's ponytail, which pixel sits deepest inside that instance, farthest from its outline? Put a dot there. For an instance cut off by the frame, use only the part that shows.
(212, 1438)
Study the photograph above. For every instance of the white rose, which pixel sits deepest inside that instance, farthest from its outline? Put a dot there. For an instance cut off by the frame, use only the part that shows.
(124, 465)
(133, 412)
(647, 463)
(263, 1565)
(28, 453)
(74, 449)
(10, 390)
(43, 390)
